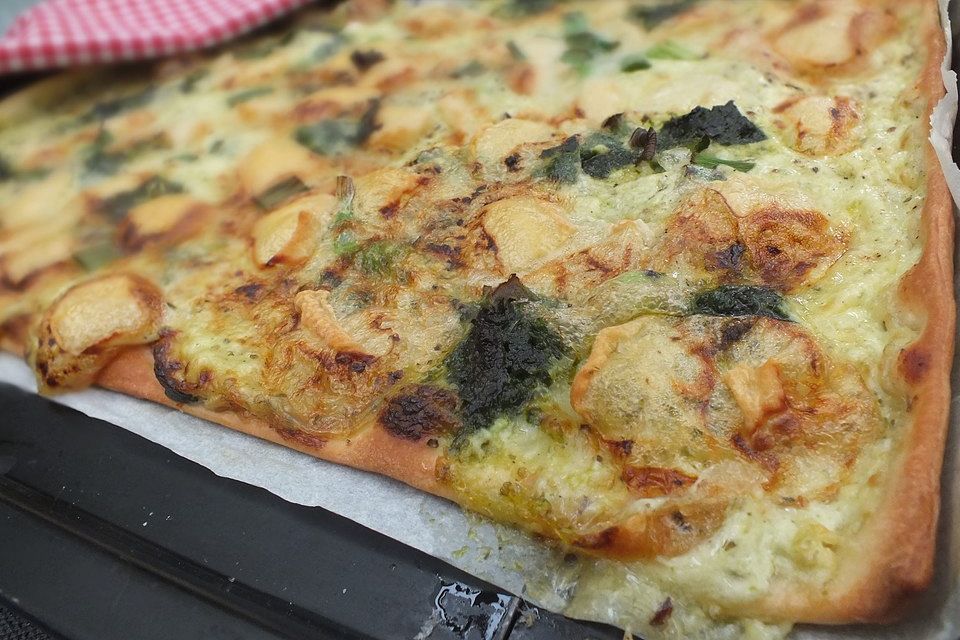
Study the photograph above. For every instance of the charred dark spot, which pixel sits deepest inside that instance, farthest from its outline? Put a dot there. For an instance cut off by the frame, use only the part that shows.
(733, 331)
(731, 258)
(621, 447)
(420, 410)
(451, 254)
(652, 482)
(598, 540)
(664, 611)
(914, 364)
(512, 161)
(363, 60)
(250, 291)
(355, 362)
(331, 279)
(390, 210)
(680, 521)
(164, 369)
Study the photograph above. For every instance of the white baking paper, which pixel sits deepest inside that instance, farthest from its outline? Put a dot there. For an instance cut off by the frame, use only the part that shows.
(492, 552)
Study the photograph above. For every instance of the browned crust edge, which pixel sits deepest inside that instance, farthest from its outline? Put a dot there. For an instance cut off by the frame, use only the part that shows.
(371, 449)
(894, 558)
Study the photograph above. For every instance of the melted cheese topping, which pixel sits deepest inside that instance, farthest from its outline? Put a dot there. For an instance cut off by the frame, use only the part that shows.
(307, 226)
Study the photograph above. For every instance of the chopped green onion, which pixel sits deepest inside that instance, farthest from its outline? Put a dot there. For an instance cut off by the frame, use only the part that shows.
(712, 162)
(280, 192)
(670, 50)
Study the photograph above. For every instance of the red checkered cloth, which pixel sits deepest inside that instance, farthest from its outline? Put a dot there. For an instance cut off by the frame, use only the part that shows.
(60, 33)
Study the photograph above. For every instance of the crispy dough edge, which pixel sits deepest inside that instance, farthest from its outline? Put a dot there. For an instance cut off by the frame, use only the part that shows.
(370, 448)
(894, 560)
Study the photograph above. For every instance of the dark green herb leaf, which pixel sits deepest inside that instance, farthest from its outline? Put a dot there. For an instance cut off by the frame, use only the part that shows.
(522, 8)
(470, 70)
(280, 192)
(712, 162)
(505, 356)
(106, 162)
(582, 44)
(634, 62)
(189, 83)
(110, 108)
(670, 50)
(515, 51)
(248, 94)
(740, 300)
(723, 124)
(332, 137)
(601, 154)
(98, 255)
(116, 206)
(653, 16)
(562, 162)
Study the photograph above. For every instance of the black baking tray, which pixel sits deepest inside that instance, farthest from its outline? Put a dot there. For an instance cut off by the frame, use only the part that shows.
(108, 535)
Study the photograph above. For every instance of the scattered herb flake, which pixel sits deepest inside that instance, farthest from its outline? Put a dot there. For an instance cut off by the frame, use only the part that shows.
(116, 206)
(740, 300)
(248, 94)
(378, 258)
(634, 62)
(280, 193)
(652, 16)
(583, 45)
(332, 137)
(712, 162)
(110, 108)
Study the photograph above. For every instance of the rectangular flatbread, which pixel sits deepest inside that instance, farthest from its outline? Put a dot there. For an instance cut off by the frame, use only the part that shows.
(666, 283)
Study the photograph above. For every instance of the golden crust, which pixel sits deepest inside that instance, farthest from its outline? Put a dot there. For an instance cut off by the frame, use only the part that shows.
(895, 557)
(370, 448)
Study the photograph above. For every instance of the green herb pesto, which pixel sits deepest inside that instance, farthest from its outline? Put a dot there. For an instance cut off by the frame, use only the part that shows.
(506, 355)
(739, 300)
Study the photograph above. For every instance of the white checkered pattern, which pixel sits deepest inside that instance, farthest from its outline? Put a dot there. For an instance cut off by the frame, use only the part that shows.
(60, 33)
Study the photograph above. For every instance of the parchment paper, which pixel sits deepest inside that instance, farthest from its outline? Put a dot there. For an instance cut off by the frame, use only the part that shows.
(442, 529)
